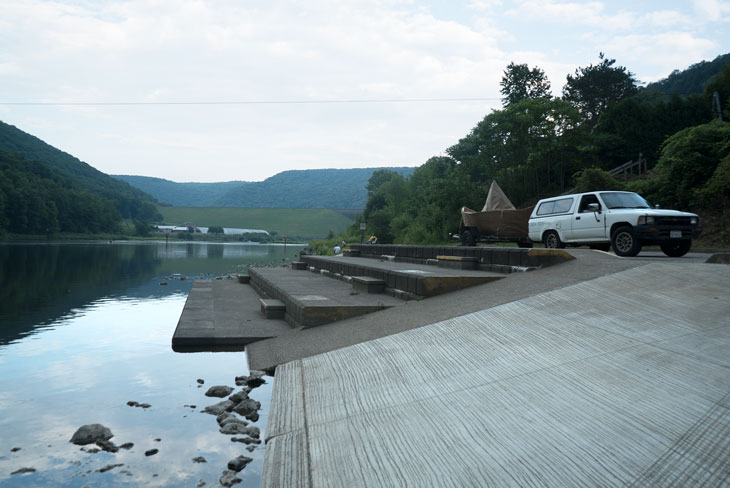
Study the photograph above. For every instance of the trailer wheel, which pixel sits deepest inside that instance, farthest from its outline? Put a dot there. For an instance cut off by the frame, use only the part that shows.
(524, 243)
(468, 238)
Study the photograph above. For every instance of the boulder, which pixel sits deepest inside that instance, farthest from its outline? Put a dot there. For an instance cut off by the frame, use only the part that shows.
(219, 408)
(247, 407)
(91, 433)
(232, 420)
(239, 463)
(233, 429)
(238, 397)
(151, 452)
(199, 459)
(23, 470)
(219, 391)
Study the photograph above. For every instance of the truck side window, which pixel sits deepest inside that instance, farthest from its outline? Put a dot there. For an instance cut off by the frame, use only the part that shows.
(585, 201)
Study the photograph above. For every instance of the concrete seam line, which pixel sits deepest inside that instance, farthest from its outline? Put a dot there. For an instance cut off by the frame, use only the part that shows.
(306, 424)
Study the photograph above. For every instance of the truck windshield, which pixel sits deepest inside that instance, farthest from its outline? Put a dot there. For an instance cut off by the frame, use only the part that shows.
(624, 200)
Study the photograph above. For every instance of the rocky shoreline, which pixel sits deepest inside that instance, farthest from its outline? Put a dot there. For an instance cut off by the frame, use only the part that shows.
(233, 417)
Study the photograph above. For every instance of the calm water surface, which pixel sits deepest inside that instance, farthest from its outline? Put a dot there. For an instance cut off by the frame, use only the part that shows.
(85, 328)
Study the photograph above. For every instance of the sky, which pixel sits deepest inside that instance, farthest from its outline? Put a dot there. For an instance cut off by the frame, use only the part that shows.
(221, 90)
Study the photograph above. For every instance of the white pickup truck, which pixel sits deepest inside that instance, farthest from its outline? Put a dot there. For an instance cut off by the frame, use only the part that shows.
(619, 219)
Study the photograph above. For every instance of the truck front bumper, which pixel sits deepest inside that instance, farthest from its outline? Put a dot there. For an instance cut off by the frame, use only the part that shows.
(658, 233)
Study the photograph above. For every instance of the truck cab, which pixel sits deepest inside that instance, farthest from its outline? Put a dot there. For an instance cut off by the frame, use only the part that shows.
(620, 220)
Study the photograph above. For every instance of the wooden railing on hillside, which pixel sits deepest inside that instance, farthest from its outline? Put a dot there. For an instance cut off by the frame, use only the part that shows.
(627, 168)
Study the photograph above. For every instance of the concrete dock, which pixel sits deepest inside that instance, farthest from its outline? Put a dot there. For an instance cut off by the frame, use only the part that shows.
(615, 372)
(229, 315)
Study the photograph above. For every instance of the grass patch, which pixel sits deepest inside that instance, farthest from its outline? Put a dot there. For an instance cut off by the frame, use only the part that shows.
(301, 222)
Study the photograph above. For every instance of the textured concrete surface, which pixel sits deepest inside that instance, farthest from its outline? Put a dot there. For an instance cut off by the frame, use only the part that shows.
(297, 344)
(620, 380)
(223, 315)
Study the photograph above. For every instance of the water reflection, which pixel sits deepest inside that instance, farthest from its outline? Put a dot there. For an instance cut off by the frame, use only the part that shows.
(85, 328)
(41, 283)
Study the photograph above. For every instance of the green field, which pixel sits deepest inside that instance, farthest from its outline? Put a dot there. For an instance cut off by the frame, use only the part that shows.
(295, 222)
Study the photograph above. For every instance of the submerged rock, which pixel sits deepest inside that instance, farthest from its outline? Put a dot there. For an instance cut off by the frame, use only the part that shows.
(23, 470)
(219, 391)
(199, 459)
(200, 381)
(246, 440)
(107, 446)
(16, 449)
(127, 445)
(108, 467)
(239, 463)
(151, 452)
(229, 478)
(219, 408)
(88, 434)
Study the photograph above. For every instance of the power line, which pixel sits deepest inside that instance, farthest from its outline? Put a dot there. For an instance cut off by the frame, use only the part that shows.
(254, 102)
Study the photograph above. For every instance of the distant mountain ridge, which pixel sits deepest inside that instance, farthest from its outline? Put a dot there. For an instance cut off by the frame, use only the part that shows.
(312, 188)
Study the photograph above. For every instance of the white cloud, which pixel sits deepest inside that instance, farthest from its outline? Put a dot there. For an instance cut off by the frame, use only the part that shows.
(224, 50)
(662, 53)
(713, 10)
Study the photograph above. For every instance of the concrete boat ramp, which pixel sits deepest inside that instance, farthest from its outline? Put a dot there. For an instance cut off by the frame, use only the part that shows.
(600, 371)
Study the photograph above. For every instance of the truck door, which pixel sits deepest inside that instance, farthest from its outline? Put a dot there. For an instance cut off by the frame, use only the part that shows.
(586, 224)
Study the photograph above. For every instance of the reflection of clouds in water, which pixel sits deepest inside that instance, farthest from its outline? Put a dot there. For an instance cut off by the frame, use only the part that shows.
(83, 369)
(145, 379)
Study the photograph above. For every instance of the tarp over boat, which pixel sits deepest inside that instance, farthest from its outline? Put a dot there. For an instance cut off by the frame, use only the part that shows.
(498, 218)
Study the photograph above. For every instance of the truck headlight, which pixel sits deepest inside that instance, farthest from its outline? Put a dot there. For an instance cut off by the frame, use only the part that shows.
(694, 220)
(646, 219)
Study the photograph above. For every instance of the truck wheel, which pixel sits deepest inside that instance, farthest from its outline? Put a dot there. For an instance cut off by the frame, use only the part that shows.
(624, 242)
(676, 249)
(468, 238)
(551, 239)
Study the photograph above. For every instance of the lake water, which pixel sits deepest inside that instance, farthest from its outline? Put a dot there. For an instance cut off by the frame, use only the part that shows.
(85, 328)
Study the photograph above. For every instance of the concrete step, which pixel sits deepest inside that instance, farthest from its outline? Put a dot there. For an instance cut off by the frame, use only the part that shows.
(414, 280)
(311, 299)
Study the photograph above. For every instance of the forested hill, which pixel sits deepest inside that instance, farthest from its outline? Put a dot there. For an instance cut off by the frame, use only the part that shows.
(314, 188)
(129, 202)
(182, 194)
(689, 81)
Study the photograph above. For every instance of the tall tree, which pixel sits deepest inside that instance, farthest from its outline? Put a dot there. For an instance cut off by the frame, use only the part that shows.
(594, 88)
(520, 82)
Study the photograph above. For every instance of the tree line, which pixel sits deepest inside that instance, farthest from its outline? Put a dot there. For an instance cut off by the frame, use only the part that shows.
(38, 199)
(537, 145)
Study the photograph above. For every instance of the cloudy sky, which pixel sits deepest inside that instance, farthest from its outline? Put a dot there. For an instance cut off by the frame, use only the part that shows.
(219, 90)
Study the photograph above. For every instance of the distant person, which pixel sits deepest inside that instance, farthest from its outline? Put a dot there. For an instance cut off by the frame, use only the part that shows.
(337, 249)
(372, 239)
(344, 244)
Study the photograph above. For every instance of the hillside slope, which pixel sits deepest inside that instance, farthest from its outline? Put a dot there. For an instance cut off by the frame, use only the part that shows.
(313, 188)
(130, 202)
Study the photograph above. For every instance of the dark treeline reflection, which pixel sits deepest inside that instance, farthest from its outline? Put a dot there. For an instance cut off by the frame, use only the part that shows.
(41, 282)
